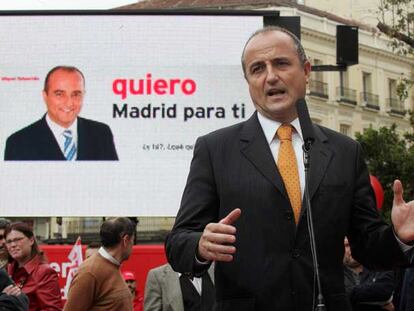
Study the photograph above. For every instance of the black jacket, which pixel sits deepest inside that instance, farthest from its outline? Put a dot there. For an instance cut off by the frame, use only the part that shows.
(9, 302)
(370, 289)
(37, 142)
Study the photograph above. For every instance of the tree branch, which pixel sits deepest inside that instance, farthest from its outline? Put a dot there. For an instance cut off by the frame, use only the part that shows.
(395, 34)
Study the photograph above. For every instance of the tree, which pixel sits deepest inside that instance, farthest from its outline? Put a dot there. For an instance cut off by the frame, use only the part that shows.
(396, 20)
(389, 156)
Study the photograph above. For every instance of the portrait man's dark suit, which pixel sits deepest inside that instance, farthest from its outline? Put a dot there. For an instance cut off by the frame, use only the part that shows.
(37, 142)
(272, 267)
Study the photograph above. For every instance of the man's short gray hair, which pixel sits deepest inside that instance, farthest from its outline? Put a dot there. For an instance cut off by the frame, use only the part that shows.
(298, 45)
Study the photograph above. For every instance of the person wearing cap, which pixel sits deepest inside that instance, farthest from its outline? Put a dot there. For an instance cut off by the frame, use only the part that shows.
(131, 281)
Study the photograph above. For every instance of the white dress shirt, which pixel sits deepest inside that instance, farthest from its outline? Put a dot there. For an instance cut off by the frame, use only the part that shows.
(197, 283)
(104, 253)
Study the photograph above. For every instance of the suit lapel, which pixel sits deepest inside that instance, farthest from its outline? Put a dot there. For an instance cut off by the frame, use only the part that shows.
(254, 147)
(47, 142)
(319, 160)
(86, 144)
(211, 272)
(81, 140)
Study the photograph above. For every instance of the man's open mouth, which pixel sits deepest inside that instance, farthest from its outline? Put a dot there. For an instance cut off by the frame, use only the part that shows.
(276, 92)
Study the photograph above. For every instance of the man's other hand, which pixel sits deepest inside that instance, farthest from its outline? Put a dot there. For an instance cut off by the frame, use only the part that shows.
(402, 215)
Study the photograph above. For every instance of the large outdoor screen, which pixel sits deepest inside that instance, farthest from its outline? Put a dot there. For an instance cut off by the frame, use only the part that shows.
(157, 81)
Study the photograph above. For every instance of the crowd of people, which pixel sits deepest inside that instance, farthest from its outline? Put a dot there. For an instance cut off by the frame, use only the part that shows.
(27, 282)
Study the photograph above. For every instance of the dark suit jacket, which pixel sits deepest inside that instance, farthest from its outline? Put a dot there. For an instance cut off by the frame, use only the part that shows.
(369, 290)
(11, 302)
(37, 142)
(407, 291)
(272, 268)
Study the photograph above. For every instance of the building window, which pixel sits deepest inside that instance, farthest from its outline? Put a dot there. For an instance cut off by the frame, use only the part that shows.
(368, 98)
(317, 75)
(343, 92)
(343, 79)
(395, 106)
(316, 85)
(345, 129)
(392, 88)
(367, 82)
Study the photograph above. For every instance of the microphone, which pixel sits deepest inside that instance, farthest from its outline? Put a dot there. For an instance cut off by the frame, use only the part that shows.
(309, 138)
(305, 123)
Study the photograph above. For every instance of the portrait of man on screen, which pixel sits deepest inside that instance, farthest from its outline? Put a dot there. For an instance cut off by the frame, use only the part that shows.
(61, 134)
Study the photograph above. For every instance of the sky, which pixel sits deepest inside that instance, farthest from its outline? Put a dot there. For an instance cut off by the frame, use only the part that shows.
(62, 4)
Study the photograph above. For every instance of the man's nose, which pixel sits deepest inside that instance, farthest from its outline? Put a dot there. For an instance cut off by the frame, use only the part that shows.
(272, 75)
(69, 102)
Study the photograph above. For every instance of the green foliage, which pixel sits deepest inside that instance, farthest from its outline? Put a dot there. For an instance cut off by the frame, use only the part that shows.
(399, 15)
(389, 156)
(403, 87)
(396, 20)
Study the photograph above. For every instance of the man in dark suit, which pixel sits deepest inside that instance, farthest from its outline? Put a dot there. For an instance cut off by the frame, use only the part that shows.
(239, 211)
(167, 290)
(61, 134)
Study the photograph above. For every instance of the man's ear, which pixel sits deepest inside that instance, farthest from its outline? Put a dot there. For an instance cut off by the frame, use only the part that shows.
(307, 68)
(126, 239)
(44, 95)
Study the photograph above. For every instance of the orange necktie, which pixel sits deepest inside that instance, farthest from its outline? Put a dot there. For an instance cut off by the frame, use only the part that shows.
(288, 168)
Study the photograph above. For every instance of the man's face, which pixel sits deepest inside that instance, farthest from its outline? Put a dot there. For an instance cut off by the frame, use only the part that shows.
(132, 285)
(128, 243)
(64, 96)
(275, 74)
